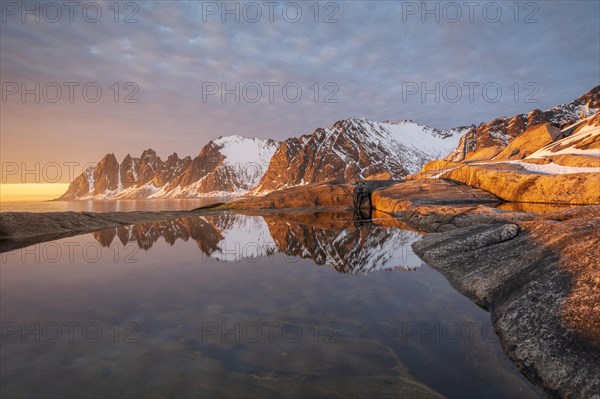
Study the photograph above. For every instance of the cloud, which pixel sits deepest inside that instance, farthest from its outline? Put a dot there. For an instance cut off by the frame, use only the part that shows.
(372, 49)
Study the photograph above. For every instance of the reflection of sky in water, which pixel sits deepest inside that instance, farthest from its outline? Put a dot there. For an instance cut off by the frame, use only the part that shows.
(109, 206)
(394, 332)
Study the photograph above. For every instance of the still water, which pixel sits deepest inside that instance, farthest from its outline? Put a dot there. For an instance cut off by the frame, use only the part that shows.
(244, 306)
(191, 203)
(109, 205)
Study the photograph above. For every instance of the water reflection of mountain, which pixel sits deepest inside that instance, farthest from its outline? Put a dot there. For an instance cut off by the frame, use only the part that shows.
(330, 239)
(146, 234)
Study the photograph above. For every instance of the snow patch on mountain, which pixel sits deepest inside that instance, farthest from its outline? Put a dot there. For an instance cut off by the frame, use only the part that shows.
(413, 143)
(553, 168)
(569, 145)
(239, 150)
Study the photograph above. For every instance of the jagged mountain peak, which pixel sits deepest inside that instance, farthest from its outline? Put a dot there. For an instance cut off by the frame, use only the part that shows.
(355, 148)
(230, 165)
(349, 149)
(108, 158)
(175, 157)
(148, 153)
(236, 165)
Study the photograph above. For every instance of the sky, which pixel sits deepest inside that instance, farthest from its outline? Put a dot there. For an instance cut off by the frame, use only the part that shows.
(165, 75)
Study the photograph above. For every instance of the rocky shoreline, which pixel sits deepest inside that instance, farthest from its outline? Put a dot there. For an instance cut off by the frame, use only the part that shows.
(536, 273)
(540, 280)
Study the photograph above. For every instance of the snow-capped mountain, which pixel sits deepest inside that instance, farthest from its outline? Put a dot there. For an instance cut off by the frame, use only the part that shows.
(354, 149)
(228, 166)
(348, 150)
(490, 138)
(236, 165)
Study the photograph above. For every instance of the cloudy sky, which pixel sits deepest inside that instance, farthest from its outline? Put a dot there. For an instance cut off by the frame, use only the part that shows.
(161, 67)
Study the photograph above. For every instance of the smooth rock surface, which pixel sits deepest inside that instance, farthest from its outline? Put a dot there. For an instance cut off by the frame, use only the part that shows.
(439, 205)
(511, 182)
(528, 142)
(540, 278)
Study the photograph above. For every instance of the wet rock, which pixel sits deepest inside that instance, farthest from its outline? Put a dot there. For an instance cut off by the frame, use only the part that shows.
(401, 196)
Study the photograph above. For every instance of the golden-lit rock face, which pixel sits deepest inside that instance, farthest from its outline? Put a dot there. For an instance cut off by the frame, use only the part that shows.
(438, 165)
(402, 196)
(512, 183)
(581, 137)
(432, 169)
(483, 154)
(310, 196)
(576, 160)
(511, 174)
(380, 176)
(529, 142)
(488, 139)
(533, 207)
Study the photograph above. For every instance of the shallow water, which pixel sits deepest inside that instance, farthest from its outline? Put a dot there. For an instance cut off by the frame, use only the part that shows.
(109, 205)
(243, 306)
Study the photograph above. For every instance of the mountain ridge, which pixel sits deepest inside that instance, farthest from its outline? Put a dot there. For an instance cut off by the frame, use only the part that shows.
(348, 150)
(234, 165)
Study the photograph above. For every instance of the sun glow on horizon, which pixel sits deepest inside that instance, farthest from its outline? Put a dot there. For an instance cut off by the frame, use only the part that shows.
(20, 192)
